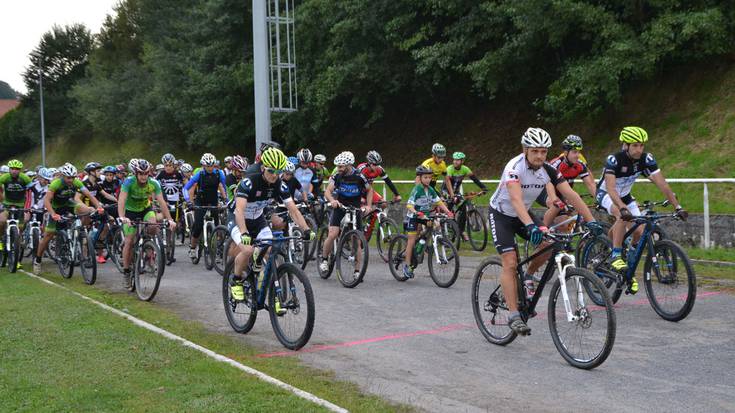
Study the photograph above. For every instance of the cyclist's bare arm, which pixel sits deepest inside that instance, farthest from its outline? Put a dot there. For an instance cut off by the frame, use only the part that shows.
(613, 192)
(516, 199)
(328, 193)
(121, 204)
(448, 185)
(660, 181)
(240, 204)
(589, 182)
(573, 198)
(296, 215)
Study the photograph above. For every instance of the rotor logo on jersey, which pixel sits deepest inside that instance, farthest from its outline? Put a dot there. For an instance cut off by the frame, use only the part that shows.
(612, 161)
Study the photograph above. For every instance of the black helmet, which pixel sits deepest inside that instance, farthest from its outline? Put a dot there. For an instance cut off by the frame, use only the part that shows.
(92, 166)
(373, 157)
(423, 170)
(572, 142)
(269, 144)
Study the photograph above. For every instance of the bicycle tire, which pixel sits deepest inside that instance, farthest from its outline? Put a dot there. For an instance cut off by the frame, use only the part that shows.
(397, 256)
(310, 245)
(450, 231)
(585, 317)
(87, 259)
(217, 250)
(208, 257)
(35, 241)
(147, 290)
(170, 247)
(14, 251)
(295, 249)
(691, 279)
(290, 301)
(63, 254)
(598, 262)
(491, 300)
(386, 230)
(452, 259)
(249, 307)
(323, 233)
(350, 240)
(474, 218)
(115, 248)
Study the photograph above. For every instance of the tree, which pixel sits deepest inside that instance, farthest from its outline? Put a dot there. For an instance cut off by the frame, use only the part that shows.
(7, 92)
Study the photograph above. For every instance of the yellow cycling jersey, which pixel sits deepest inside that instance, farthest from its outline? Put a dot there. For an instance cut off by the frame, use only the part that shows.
(437, 168)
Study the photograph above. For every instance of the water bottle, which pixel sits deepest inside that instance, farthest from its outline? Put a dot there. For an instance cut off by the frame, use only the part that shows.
(530, 288)
(258, 267)
(420, 246)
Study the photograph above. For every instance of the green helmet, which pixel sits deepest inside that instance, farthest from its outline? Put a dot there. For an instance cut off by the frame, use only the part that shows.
(572, 142)
(273, 158)
(15, 164)
(458, 155)
(633, 134)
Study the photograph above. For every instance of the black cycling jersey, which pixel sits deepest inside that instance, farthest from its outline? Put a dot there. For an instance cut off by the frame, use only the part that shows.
(171, 184)
(350, 187)
(627, 170)
(259, 192)
(293, 185)
(93, 188)
(111, 188)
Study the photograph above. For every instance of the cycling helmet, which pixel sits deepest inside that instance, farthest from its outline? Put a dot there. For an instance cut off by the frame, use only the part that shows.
(208, 160)
(304, 155)
(180, 162)
(228, 159)
(31, 174)
(572, 142)
(269, 144)
(536, 138)
(216, 163)
(15, 164)
(92, 166)
(290, 167)
(238, 163)
(4, 169)
(458, 155)
(139, 166)
(373, 157)
(294, 160)
(186, 168)
(344, 158)
(38, 168)
(423, 170)
(109, 170)
(168, 159)
(273, 158)
(439, 150)
(47, 173)
(68, 170)
(159, 167)
(52, 171)
(122, 167)
(633, 134)
(320, 158)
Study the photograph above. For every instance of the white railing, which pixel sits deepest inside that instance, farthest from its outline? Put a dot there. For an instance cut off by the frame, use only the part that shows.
(705, 194)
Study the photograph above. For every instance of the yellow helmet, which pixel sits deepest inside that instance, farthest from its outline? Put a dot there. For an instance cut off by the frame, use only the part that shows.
(633, 134)
(273, 158)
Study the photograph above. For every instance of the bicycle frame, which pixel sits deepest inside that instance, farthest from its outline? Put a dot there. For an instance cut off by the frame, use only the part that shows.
(11, 223)
(645, 241)
(268, 268)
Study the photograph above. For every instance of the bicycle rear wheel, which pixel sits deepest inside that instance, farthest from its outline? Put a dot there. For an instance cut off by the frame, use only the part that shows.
(291, 305)
(240, 314)
(170, 247)
(148, 270)
(595, 256)
(14, 251)
(217, 245)
(63, 254)
(671, 284)
(586, 340)
(397, 256)
(451, 232)
(476, 230)
(386, 230)
(488, 303)
(116, 242)
(444, 267)
(87, 258)
(352, 258)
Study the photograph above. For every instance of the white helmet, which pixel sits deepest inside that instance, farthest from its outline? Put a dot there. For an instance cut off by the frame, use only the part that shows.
(345, 158)
(320, 158)
(186, 168)
(304, 155)
(47, 174)
(4, 169)
(439, 150)
(290, 167)
(536, 138)
(168, 159)
(208, 159)
(68, 170)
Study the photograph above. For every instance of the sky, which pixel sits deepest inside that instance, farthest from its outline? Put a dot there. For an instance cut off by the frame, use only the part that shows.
(23, 23)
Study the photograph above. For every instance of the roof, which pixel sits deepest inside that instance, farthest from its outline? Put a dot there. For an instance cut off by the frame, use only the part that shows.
(6, 105)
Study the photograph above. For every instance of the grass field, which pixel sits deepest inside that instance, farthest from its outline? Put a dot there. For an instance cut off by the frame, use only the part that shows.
(61, 353)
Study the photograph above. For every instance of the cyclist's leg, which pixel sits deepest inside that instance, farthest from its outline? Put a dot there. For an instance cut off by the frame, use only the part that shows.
(618, 228)
(130, 231)
(636, 212)
(150, 216)
(3, 222)
(504, 229)
(335, 219)
(412, 228)
(196, 229)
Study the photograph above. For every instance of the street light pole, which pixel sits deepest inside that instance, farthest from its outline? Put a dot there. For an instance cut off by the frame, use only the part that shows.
(260, 74)
(43, 127)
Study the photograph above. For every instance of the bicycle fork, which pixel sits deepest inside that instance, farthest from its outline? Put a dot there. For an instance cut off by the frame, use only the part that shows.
(563, 262)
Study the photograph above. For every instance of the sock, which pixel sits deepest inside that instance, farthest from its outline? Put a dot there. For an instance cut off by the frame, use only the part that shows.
(514, 314)
(617, 252)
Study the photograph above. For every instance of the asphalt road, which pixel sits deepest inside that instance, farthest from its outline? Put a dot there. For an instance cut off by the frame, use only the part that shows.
(418, 344)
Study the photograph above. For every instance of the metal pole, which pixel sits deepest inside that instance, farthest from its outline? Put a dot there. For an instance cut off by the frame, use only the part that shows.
(706, 216)
(260, 74)
(43, 126)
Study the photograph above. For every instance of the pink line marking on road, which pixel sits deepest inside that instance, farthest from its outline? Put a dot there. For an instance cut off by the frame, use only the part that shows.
(438, 330)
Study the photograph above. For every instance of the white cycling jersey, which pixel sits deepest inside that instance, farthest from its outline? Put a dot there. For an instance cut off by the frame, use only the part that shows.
(532, 182)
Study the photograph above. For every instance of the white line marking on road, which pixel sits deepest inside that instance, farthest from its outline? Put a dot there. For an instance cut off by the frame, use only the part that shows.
(219, 357)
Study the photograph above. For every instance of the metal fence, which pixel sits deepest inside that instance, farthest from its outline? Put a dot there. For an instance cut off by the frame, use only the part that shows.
(705, 194)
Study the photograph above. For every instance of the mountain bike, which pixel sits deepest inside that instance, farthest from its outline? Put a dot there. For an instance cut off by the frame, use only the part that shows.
(443, 259)
(668, 275)
(204, 237)
(12, 253)
(386, 227)
(148, 260)
(75, 246)
(32, 233)
(475, 225)
(582, 331)
(290, 299)
(349, 252)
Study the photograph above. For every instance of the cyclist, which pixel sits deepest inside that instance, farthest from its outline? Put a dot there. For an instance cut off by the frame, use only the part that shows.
(206, 184)
(61, 200)
(111, 185)
(247, 221)
(322, 173)
(306, 175)
(349, 186)
(423, 199)
(254, 168)
(238, 165)
(295, 189)
(456, 172)
(172, 182)
(572, 165)
(94, 185)
(13, 191)
(228, 161)
(614, 190)
(37, 192)
(372, 169)
(134, 204)
(436, 163)
(524, 177)
(186, 171)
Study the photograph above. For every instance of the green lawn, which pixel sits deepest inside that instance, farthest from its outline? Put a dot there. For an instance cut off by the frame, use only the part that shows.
(61, 353)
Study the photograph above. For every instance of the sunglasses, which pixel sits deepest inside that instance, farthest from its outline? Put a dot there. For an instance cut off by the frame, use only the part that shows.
(273, 171)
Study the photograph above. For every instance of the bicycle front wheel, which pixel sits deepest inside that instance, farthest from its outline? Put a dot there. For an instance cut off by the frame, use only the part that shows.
(387, 229)
(14, 251)
(217, 248)
(397, 256)
(476, 230)
(240, 314)
(671, 284)
(352, 258)
(443, 263)
(63, 255)
(595, 256)
(87, 258)
(488, 303)
(585, 335)
(149, 268)
(291, 305)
